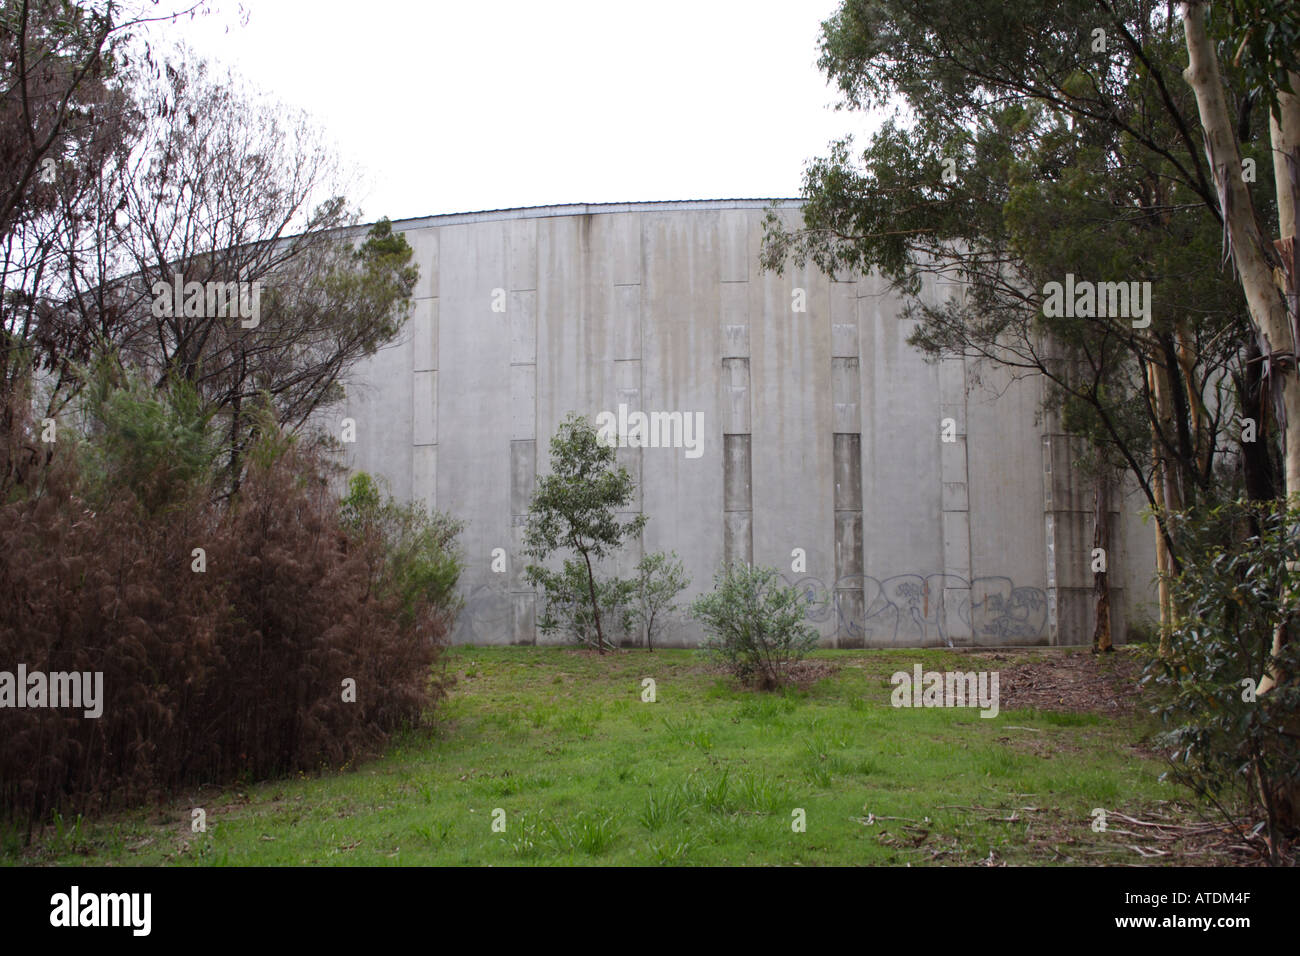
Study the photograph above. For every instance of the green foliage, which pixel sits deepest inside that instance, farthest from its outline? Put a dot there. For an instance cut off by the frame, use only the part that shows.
(1237, 582)
(662, 808)
(155, 444)
(659, 579)
(1264, 37)
(575, 509)
(234, 670)
(376, 282)
(421, 563)
(755, 626)
(1018, 153)
(363, 502)
(567, 607)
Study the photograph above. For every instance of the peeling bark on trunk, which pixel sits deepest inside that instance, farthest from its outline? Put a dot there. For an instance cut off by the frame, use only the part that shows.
(1253, 258)
(1265, 275)
(1285, 139)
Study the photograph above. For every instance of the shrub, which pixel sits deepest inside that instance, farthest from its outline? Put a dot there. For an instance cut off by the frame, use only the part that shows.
(755, 626)
(159, 443)
(659, 579)
(567, 608)
(420, 565)
(234, 671)
(1227, 742)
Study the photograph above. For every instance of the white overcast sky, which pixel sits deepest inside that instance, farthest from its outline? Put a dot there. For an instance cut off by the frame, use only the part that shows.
(490, 104)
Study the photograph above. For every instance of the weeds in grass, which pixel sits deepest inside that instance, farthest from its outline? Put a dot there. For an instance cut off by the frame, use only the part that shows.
(818, 773)
(510, 785)
(588, 833)
(761, 795)
(507, 719)
(999, 763)
(711, 795)
(762, 708)
(581, 721)
(662, 809)
(668, 854)
(689, 736)
(67, 839)
(529, 838)
(821, 759)
(433, 834)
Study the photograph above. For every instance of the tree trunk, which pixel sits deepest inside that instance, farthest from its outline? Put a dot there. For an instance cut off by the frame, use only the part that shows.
(595, 604)
(1164, 490)
(1268, 310)
(1285, 139)
(1171, 468)
(1272, 314)
(1200, 417)
(1101, 637)
(1258, 472)
(1164, 569)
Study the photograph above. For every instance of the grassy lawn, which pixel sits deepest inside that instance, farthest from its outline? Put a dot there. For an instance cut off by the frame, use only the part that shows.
(586, 772)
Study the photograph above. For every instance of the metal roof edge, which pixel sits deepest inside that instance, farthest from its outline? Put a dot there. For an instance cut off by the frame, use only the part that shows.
(583, 209)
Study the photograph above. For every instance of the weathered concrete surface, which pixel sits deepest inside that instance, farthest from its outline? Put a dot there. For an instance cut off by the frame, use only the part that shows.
(822, 428)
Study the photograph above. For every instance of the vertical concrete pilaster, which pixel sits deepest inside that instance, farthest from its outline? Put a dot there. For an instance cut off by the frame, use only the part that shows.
(954, 467)
(846, 438)
(424, 386)
(737, 425)
(521, 258)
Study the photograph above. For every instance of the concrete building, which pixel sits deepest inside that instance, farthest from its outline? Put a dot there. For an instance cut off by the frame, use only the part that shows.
(822, 451)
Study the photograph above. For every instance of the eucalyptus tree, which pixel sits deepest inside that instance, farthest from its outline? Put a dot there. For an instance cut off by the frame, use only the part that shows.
(1032, 146)
(574, 509)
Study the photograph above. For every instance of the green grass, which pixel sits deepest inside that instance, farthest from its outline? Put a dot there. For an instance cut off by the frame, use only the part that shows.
(584, 772)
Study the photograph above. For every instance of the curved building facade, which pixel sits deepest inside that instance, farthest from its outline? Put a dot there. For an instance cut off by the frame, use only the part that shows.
(789, 424)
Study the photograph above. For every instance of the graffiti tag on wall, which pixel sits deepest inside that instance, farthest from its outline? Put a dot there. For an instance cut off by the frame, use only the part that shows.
(907, 610)
(911, 609)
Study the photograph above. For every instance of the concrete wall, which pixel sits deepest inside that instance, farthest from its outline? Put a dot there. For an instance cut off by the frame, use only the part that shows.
(822, 428)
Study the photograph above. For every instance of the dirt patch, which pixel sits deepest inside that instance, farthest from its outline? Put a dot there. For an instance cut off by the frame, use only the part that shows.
(1076, 682)
(800, 674)
(1161, 833)
(803, 674)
